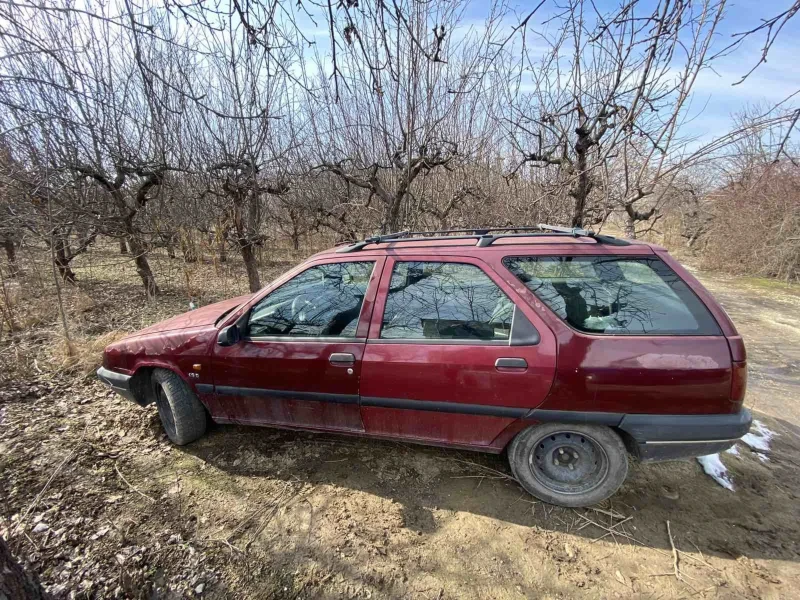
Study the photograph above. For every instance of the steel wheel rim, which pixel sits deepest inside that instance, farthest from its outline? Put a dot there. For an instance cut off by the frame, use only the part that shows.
(165, 410)
(552, 455)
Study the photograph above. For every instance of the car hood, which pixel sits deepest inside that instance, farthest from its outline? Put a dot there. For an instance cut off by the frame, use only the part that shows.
(199, 317)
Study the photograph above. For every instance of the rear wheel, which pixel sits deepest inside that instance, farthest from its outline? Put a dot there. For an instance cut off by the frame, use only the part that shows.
(569, 465)
(182, 414)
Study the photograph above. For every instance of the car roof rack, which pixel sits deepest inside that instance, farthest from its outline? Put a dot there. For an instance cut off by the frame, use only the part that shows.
(483, 236)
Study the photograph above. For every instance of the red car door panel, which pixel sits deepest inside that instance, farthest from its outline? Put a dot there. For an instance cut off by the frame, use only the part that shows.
(288, 383)
(284, 374)
(452, 391)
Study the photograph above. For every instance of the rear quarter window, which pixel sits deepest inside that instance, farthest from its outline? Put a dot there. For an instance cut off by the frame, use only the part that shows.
(615, 295)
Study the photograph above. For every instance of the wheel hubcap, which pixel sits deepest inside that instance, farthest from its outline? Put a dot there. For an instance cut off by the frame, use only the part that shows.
(568, 462)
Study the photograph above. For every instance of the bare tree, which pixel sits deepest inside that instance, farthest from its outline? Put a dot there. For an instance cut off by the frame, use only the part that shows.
(407, 98)
(609, 94)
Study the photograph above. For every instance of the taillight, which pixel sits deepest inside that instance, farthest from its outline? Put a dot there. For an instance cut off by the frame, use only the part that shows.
(738, 382)
(736, 344)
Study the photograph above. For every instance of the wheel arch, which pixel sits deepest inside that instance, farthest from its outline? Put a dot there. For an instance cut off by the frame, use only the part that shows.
(141, 380)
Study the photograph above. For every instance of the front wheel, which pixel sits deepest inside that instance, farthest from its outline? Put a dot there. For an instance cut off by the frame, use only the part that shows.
(569, 465)
(182, 414)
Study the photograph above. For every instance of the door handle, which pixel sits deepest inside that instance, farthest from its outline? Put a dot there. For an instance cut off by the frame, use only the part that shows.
(511, 363)
(342, 359)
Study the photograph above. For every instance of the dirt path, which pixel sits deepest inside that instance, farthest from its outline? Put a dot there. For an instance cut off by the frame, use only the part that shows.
(767, 314)
(249, 512)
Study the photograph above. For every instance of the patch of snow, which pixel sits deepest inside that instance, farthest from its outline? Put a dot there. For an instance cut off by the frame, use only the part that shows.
(762, 457)
(759, 437)
(713, 466)
(733, 450)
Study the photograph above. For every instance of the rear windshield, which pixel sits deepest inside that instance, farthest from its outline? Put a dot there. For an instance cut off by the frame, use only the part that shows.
(615, 295)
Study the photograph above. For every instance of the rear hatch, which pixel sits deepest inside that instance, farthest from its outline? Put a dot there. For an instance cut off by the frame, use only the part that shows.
(635, 336)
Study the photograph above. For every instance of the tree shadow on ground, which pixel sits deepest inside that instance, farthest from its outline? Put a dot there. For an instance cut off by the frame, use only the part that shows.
(760, 519)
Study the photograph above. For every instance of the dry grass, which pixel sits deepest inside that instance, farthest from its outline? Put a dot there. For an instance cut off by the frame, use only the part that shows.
(81, 356)
(107, 303)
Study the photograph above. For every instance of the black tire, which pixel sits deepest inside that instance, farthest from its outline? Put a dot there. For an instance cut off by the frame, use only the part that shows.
(540, 458)
(182, 414)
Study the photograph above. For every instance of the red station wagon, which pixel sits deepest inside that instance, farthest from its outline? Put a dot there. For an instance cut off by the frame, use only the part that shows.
(565, 348)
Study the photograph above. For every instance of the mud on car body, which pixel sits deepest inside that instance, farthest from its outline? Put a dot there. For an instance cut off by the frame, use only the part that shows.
(565, 349)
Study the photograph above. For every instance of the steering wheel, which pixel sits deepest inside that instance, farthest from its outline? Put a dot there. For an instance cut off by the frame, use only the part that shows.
(299, 306)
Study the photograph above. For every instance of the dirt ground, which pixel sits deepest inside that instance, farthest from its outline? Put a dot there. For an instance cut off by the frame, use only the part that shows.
(100, 505)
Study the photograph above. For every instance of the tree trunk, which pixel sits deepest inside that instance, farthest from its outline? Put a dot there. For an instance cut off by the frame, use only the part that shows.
(581, 192)
(62, 260)
(11, 254)
(249, 258)
(143, 267)
(188, 247)
(583, 185)
(392, 222)
(171, 246)
(123, 247)
(222, 250)
(14, 581)
(630, 227)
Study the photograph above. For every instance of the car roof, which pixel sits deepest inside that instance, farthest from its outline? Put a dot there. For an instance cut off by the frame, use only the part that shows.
(541, 244)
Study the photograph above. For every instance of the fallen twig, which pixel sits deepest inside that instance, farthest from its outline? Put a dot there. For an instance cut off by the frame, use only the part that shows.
(610, 513)
(226, 542)
(130, 485)
(610, 530)
(675, 569)
(498, 474)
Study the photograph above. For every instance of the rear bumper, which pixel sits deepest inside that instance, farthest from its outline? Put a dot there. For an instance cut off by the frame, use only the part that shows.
(118, 382)
(670, 437)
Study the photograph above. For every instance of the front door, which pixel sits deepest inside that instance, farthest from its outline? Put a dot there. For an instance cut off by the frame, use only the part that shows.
(454, 355)
(300, 360)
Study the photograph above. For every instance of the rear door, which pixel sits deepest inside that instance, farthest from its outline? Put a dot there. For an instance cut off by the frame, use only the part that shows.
(300, 360)
(453, 356)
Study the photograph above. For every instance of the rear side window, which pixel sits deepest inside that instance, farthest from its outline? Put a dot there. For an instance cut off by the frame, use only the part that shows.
(445, 301)
(615, 295)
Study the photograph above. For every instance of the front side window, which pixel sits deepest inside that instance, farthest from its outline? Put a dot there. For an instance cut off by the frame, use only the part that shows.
(445, 301)
(615, 295)
(323, 301)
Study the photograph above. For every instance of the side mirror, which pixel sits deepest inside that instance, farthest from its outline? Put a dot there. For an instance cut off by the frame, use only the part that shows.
(229, 335)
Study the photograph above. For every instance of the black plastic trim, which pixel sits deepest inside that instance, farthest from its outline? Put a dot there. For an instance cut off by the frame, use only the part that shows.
(687, 428)
(523, 332)
(511, 362)
(228, 390)
(204, 388)
(120, 383)
(655, 451)
(570, 416)
(654, 437)
(447, 407)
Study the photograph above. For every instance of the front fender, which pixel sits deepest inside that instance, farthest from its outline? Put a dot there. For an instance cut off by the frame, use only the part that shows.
(186, 352)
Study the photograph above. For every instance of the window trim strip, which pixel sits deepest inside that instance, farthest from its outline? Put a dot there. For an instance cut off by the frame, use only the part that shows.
(306, 339)
(439, 341)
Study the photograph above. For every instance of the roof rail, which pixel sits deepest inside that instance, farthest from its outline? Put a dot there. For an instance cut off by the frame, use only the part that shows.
(579, 232)
(482, 236)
